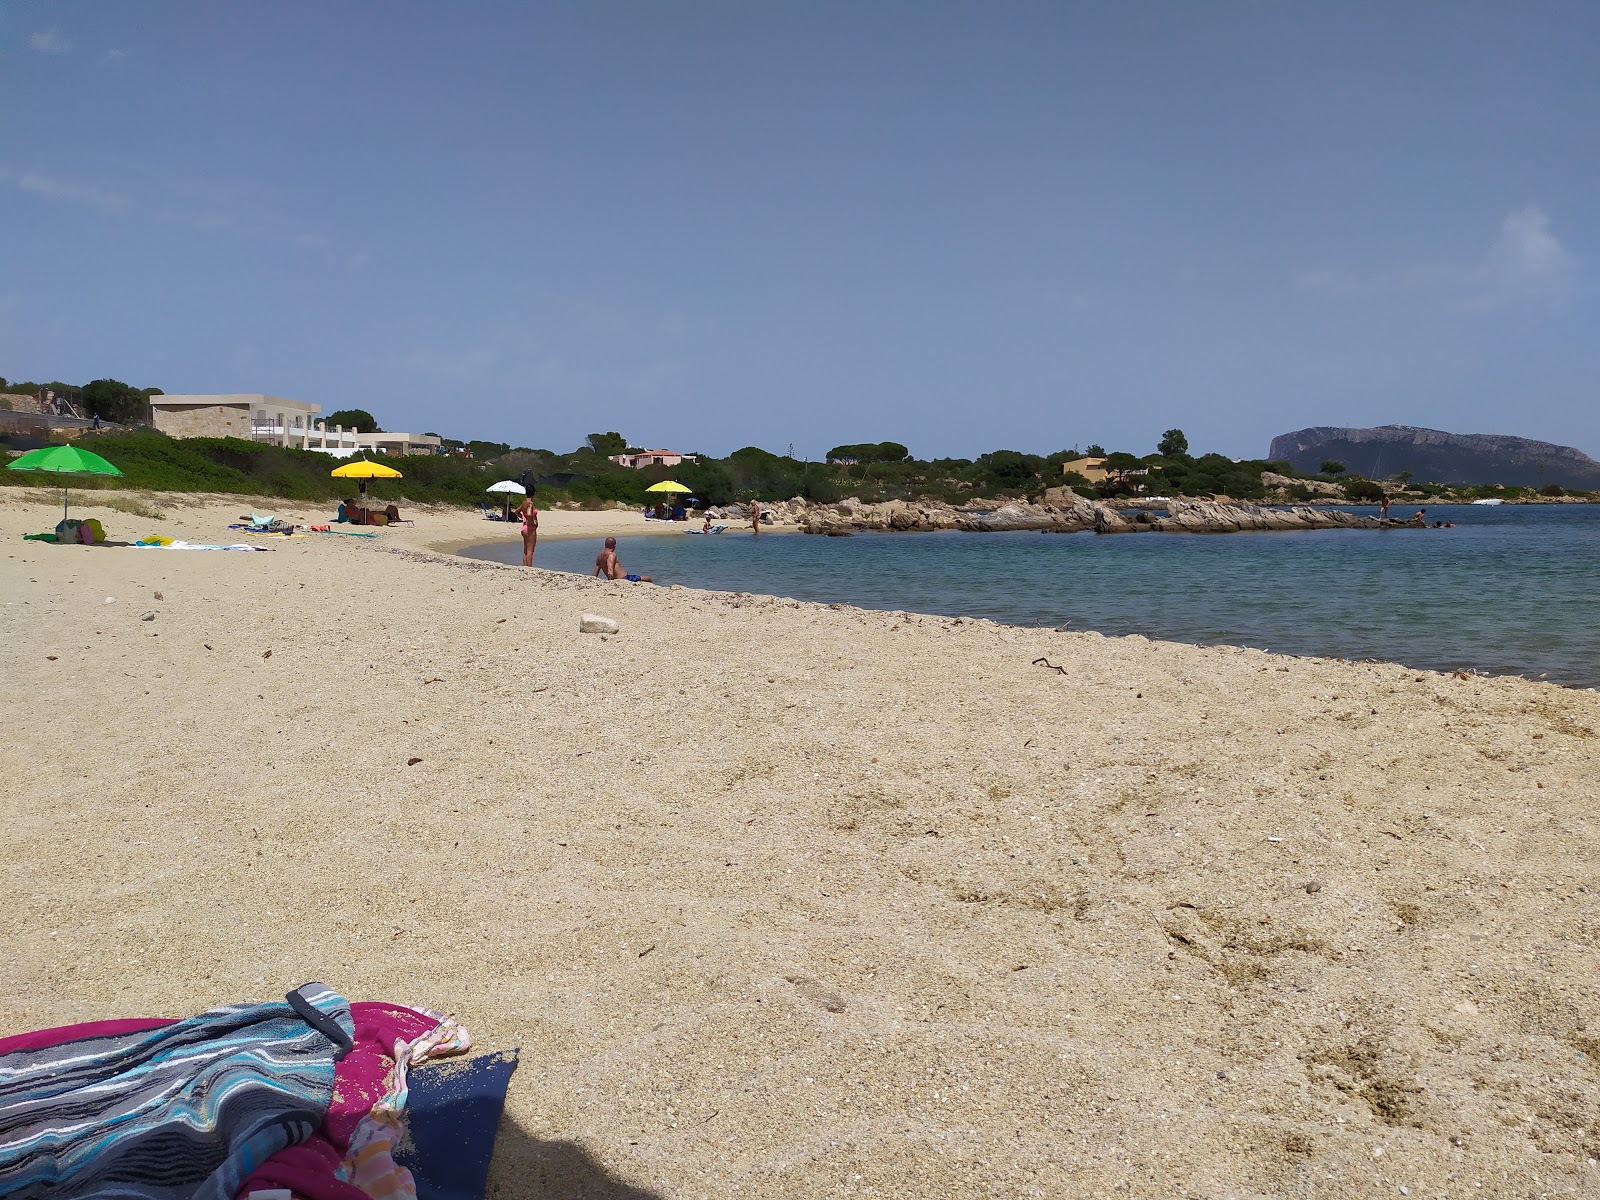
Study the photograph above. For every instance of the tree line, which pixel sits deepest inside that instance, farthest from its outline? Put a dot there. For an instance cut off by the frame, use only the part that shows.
(871, 470)
(108, 399)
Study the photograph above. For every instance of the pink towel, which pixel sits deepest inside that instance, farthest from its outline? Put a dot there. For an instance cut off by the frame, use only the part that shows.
(359, 1081)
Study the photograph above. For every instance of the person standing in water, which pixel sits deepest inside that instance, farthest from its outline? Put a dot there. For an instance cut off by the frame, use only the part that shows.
(529, 516)
(755, 517)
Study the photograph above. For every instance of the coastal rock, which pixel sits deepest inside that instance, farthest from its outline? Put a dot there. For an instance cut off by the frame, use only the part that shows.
(1210, 516)
(897, 515)
(1068, 512)
(594, 623)
(1108, 520)
(1009, 516)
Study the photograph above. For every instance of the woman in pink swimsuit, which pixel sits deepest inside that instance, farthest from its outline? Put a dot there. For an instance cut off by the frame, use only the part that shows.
(530, 529)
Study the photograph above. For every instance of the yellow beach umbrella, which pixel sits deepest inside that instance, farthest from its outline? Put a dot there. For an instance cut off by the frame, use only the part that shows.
(361, 468)
(669, 485)
(364, 470)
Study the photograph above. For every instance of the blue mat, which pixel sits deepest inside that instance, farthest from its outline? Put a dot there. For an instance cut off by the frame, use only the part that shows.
(454, 1114)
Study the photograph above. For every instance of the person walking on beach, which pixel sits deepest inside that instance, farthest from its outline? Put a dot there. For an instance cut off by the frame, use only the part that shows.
(607, 566)
(529, 515)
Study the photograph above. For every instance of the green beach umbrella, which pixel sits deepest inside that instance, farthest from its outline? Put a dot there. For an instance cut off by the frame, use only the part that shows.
(64, 460)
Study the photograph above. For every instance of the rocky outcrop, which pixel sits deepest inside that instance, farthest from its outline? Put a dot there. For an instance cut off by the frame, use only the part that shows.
(1070, 513)
(1209, 516)
(1431, 455)
(898, 515)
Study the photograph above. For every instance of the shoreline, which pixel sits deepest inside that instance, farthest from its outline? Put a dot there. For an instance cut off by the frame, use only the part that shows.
(776, 894)
(1153, 637)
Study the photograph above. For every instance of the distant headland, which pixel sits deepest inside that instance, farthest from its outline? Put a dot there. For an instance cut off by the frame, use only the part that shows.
(1457, 459)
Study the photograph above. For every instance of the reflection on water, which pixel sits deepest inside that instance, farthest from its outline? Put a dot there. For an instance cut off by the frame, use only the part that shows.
(1509, 590)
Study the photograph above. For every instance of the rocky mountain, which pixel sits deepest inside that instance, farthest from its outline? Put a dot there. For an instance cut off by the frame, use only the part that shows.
(1433, 456)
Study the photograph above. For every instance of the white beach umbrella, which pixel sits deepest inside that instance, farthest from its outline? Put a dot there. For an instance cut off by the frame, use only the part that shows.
(511, 488)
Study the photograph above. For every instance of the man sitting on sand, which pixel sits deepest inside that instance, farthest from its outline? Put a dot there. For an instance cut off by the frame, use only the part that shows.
(606, 565)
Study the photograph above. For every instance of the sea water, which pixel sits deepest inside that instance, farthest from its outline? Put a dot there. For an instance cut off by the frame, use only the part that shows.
(1509, 590)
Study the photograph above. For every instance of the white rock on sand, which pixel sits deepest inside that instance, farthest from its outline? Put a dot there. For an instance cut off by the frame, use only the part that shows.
(783, 899)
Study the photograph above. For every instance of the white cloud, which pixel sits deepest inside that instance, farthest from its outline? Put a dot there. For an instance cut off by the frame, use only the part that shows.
(49, 41)
(115, 56)
(55, 188)
(1527, 262)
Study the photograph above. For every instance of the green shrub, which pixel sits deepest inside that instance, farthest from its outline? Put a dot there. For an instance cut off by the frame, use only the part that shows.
(156, 462)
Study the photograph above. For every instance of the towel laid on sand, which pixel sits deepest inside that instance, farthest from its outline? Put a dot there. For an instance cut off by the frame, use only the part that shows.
(351, 1156)
(152, 543)
(183, 1110)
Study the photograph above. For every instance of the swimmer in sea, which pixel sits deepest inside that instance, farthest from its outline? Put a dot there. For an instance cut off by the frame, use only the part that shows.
(607, 566)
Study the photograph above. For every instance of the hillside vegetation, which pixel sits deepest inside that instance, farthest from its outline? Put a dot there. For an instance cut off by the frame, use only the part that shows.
(871, 471)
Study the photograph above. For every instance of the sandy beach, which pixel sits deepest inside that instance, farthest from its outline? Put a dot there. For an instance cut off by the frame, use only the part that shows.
(784, 899)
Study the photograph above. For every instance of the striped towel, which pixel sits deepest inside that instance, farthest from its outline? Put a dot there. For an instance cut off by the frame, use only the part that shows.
(187, 1109)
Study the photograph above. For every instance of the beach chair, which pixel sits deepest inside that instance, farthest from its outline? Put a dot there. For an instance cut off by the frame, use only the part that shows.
(490, 514)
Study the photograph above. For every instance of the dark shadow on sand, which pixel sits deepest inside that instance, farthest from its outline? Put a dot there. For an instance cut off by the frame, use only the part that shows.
(526, 1166)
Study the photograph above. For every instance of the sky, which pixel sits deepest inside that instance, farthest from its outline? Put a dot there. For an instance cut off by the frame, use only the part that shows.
(961, 226)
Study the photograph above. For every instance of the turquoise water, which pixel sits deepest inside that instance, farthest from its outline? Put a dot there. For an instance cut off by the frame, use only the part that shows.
(1510, 590)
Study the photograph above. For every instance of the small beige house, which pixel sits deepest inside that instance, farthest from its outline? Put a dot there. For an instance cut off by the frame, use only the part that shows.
(1092, 469)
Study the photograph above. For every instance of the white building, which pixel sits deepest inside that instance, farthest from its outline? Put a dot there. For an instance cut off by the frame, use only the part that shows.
(275, 420)
(249, 415)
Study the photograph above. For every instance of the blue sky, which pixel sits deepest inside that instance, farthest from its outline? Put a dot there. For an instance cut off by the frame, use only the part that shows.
(961, 226)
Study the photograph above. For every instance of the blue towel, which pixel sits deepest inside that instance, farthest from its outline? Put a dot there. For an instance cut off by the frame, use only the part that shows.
(453, 1115)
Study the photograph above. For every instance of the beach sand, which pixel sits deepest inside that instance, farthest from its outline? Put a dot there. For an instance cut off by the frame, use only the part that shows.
(786, 899)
